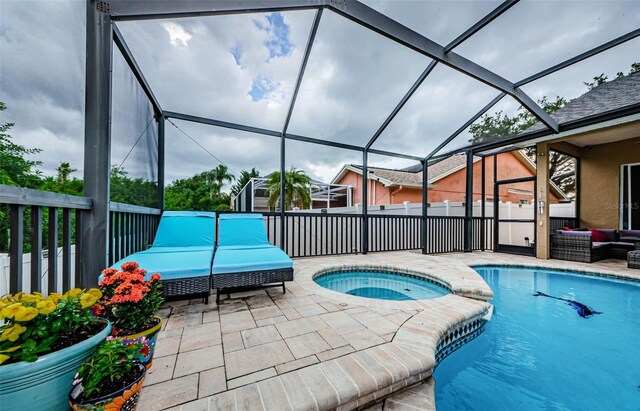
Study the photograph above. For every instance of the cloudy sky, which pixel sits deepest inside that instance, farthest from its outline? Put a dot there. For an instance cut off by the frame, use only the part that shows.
(243, 69)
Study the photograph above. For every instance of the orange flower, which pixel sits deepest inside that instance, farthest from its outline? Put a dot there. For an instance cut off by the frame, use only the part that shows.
(109, 271)
(130, 266)
(155, 277)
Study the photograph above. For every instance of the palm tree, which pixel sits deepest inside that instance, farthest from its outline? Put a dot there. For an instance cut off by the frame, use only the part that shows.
(296, 189)
(245, 177)
(217, 177)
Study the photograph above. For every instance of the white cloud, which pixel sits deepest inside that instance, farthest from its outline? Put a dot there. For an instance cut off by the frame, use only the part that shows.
(177, 33)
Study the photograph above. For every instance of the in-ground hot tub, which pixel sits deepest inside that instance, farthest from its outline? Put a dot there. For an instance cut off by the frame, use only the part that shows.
(384, 285)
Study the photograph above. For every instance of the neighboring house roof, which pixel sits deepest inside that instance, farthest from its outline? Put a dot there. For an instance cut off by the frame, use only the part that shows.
(412, 176)
(613, 95)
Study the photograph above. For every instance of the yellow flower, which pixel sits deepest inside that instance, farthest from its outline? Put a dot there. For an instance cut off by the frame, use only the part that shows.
(31, 298)
(87, 300)
(55, 297)
(46, 306)
(12, 333)
(95, 292)
(3, 358)
(73, 293)
(11, 310)
(25, 314)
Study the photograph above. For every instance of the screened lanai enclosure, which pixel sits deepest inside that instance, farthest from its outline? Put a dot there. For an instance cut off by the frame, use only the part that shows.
(128, 86)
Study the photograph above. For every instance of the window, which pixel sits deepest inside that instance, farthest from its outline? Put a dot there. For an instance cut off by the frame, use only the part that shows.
(630, 196)
(524, 202)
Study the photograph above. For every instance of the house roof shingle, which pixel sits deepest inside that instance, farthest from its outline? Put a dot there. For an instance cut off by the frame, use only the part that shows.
(615, 94)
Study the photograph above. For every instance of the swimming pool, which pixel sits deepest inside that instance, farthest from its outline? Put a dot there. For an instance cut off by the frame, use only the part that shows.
(537, 352)
(381, 285)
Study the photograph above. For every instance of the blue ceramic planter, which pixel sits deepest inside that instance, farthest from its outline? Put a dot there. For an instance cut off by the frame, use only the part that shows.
(45, 383)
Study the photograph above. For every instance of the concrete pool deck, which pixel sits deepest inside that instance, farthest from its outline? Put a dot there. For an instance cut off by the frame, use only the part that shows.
(314, 348)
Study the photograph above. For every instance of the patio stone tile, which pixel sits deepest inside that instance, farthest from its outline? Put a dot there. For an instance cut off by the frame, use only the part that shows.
(307, 344)
(223, 401)
(232, 306)
(300, 326)
(363, 339)
(248, 293)
(260, 335)
(248, 398)
(345, 387)
(290, 302)
(273, 395)
(212, 382)
(311, 309)
(197, 405)
(382, 376)
(329, 307)
(200, 336)
(194, 309)
(167, 346)
(322, 389)
(176, 332)
(168, 394)
(198, 360)
(186, 320)
(341, 322)
(260, 301)
(211, 317)
(297, 364)
(364, 381)
(274, 320)
(298, 391)
(256, 358)
(356, 310)
(236, 321)
(388, 337)
(174, 303)
(163, 312)
(265, 312)
(291, 314)
(375, 322)
(251, 378)
(332, 337)
(161, 370)
(335, 353)
(232, 342)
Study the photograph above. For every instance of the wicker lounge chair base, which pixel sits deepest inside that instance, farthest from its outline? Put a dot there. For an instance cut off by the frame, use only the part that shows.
(633, 259)
(574, 248)
(223, 282)
(185, 287)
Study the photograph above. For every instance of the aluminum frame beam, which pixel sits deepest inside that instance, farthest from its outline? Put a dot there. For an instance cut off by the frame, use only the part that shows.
(278, 134)
(127, 10)
(583, 56)
(119, 41)
(467, 124)
(387, 27)
(494, 14)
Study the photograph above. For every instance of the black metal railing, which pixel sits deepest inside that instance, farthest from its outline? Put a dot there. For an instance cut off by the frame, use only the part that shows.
(43, 224)
(558, 223)
(482, 233)
(394, 232)
(132, 229)
(445, 234)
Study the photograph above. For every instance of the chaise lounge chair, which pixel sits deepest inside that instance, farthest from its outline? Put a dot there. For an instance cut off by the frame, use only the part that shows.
(182, 253)
(244, 256)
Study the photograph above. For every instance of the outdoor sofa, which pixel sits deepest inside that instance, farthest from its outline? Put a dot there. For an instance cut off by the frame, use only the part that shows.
(182, 253)
(578, 245)
(245, 258)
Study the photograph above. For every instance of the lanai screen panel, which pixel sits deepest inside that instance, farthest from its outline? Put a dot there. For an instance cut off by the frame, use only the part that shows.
(353, 80)
(534, 35)
(443, 103)
(441, 21)
(42, 79)
(134, 140)
(237, 68)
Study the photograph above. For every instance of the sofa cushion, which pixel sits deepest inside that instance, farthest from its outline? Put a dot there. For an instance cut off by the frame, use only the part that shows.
(630, 233)
(612, 235)
(599, 236)
(620, 244)
(597, 244)
(576, 233)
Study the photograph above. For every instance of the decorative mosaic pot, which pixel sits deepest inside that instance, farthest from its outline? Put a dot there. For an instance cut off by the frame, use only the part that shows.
(125, 399)
(44, 384)
(148, 340)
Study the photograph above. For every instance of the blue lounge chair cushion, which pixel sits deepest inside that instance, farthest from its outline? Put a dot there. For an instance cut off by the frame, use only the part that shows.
(242, 230)
(186, 229)
(172, 266)
(236, 259)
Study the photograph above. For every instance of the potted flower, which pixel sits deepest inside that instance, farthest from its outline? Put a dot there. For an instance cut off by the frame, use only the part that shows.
(129, 302)
(43, 340)
(109, 379)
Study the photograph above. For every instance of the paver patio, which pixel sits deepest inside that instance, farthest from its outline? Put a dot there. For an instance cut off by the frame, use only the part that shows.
(313, 348)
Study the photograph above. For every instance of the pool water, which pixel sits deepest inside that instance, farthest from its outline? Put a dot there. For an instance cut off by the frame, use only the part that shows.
(381, 285)
(538, 353)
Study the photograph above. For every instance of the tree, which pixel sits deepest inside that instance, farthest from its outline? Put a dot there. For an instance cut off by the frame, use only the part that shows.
(15, 169)
(199, 192)
(217, 177)
(597, 80)
(137, 191)
(297, 186)
(245, 177)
